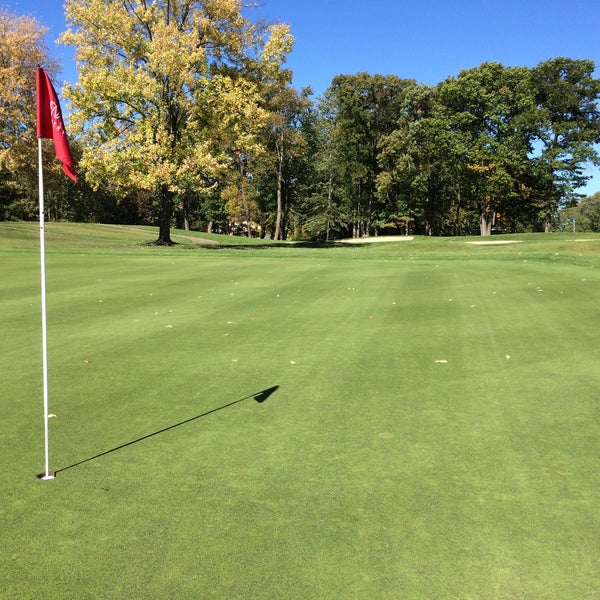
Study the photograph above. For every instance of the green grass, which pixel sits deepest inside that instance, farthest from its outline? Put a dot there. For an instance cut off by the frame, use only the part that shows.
(372, 471)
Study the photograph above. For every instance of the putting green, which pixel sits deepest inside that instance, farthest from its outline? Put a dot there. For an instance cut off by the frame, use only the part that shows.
(429, 425)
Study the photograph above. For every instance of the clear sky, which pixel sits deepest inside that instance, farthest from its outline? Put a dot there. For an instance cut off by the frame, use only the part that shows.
(427, 40)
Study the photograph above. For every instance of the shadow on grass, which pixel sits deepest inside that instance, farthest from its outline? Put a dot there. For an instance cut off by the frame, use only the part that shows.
(259, 397)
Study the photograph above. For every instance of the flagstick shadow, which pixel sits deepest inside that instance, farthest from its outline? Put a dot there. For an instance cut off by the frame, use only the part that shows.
(259, 397)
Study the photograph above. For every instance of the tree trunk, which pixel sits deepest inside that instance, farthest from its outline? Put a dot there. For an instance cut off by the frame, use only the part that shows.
(329, 203)
(279, 216)
(486, 220)
(244, 195)
(164, 222)
(487, 217)
(457, 218)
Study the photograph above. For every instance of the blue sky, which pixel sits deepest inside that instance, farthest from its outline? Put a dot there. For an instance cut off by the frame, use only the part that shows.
(427, 40)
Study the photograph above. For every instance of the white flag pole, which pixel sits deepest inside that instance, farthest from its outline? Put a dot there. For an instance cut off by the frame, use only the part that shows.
(46, 474)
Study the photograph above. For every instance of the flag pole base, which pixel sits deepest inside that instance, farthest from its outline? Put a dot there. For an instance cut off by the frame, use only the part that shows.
(47, 476)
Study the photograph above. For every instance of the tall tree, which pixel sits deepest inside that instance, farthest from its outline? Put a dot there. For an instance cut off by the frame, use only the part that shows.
(285, 144)
(493, 108)
(22, 49)
(583, 215)
(241, 123)
(320, 199)
(366, 110)
(154, 77)
(421, 163)
(566, 95)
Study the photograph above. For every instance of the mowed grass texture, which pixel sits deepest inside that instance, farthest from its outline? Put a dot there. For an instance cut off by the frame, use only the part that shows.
(431, 427)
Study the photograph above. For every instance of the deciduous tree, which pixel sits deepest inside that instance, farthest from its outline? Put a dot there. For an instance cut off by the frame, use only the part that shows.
(566, 94)
(154, 77)
(22, 49)
(493, 108)
(366, 110)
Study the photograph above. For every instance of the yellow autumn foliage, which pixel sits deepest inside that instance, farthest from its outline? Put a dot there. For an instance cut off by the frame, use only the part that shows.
(163, 99)
(22, 49)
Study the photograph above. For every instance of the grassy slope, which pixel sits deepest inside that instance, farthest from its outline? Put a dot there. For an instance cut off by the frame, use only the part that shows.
(372, 471)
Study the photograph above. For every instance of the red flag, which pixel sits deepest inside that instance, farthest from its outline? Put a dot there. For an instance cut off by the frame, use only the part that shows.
(50, 123)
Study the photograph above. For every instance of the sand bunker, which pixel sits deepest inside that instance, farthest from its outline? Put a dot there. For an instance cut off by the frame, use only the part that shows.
(494, 242)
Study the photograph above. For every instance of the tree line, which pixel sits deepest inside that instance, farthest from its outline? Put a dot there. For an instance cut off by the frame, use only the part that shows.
(184, 114)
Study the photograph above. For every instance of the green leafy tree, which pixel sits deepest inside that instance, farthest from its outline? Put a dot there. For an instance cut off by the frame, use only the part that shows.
(323, 217)
(421, 162)
(286, 147)
(581, 216)
(566, 95)
(366, 108)
(492, 108)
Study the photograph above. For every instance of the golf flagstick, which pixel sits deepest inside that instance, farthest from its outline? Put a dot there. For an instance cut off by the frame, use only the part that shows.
(50, 125)
(46, 474)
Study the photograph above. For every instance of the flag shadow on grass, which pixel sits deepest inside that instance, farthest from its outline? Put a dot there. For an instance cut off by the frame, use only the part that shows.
(259, 397)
